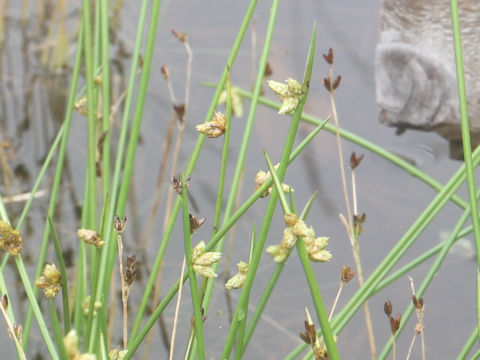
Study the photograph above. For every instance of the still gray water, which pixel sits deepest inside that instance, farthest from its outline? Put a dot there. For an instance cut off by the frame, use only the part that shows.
(32, 100)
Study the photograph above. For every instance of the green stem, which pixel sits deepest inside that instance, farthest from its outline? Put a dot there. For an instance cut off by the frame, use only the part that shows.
(191, 165)
(196, 301)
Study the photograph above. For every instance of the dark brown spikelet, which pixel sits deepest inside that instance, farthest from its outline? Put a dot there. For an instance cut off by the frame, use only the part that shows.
(130, 272)
(181, 36)
(395, 323)
(327, 82)
(388, 308)
(309, 336)
(119, 224)
(180, 112)
(177, 184)
(195, 223)
(4, 301)
(347, 274)
(355, 160)
(329, 56)
(358, 221)
(165, 72)
(268, 70)
(418, 303)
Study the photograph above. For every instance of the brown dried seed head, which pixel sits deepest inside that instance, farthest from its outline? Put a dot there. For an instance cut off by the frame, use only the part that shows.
(354, 160)
(119, 224)
(329, 57)
(18, 329)
(336, 82)
(327, 84)
(4, 301)
(418, 303)
(347, 274)
(130, 272)
(180, 112)
(165, 72)
(388, 308)
(268, 70)
(177, 183)
(181, 36)
(195, 223)
(395, 323)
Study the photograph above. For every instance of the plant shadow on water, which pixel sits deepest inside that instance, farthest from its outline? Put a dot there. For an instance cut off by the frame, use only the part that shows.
(33, 93)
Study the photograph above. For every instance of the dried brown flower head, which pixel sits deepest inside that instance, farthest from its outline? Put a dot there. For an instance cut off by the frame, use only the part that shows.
(177, 183)
(130, 272)
(346, 274)
(418, 303)
(181, 36)
(329, 56)
(165, 72)
(355, 160)
(195, 223)
(395, 323)
(327, 82)
(388, 308)
(119, 224)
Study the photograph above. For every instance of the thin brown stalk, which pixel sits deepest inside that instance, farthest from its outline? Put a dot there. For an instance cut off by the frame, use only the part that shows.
(177, 311)
(124, 291)
(394, 348)
(349, 223)
(340, 288)
(11, 329)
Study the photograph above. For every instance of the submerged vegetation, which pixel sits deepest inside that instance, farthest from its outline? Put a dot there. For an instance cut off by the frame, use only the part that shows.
(85, 294)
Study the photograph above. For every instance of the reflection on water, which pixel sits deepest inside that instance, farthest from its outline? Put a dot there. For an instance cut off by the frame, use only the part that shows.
(32, 101)
(415, 67)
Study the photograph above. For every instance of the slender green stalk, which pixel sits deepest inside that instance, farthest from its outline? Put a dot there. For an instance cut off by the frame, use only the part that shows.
(252, 268)
(196, 301)
(341, 319)
(471, 341)
(108, 256)
(428, 278)
(218, 206)
(57, 330)
(57, 178)
(467, 146)
(63, 276)
(91, 181)
(366, 144)
(315, 292)
(35, 308)
(248, 130)
(190, 166)
(271, 285)
(105, 45)
(136, 341)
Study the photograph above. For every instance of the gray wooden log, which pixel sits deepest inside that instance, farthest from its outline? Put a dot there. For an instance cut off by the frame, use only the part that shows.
(415, 77)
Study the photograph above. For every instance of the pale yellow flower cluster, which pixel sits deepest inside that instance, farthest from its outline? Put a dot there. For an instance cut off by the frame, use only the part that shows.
(202, 260)
(289, 94)
(71, 343)
(238, 279)
(297, 228)
(263, 176)
(213, 128)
